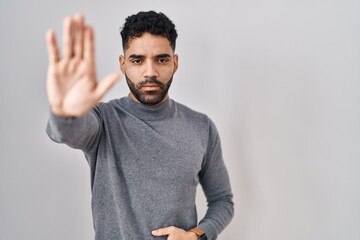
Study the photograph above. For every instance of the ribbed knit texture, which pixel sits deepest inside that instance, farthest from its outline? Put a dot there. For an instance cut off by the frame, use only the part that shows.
(145, 164)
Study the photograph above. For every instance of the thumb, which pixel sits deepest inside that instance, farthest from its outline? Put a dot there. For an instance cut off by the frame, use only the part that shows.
(105, 84)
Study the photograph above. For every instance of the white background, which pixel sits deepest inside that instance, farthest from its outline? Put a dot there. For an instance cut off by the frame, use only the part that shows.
(279, 78)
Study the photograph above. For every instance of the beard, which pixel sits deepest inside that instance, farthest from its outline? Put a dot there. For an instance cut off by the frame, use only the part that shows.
(152, 97)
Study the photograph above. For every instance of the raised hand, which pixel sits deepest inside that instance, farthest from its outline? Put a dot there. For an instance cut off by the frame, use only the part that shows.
(71, 80)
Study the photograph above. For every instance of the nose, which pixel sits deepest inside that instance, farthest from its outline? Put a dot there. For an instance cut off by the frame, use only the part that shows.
(150, 70)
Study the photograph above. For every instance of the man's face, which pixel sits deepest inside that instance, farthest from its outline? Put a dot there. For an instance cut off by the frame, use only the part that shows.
(149, 64)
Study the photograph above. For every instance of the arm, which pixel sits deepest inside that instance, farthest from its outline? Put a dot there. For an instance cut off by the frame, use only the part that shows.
(215, 182)
(216, 185)
(72, 88)
(80, 133)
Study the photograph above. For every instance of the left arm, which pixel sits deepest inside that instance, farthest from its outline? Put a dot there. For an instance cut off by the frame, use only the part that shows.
(214, 180)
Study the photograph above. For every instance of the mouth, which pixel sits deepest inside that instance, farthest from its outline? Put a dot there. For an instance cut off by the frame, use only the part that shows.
(150, 87)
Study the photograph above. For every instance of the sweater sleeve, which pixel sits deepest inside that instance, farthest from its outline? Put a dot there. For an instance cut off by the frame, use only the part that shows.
(215, 182)
(80, 133)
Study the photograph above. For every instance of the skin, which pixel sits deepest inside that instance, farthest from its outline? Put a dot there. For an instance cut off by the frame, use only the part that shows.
(72, 86)
(175, 233)
(149, 56)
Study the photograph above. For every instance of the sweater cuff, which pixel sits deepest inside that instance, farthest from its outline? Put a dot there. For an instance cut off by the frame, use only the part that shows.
(209, 230)
(57, 126)
(58, 119)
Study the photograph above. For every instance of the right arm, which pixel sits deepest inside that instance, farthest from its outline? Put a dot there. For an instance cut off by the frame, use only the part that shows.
(80, 133)
(72, 88)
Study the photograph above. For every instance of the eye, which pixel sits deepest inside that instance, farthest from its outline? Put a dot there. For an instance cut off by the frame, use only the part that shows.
(163, 60)
(136, 61)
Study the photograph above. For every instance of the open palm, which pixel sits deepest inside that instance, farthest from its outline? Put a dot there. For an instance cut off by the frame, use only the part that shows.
(71, 80)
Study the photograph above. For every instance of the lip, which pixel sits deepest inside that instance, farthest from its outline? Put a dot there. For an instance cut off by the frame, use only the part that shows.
(150, 87)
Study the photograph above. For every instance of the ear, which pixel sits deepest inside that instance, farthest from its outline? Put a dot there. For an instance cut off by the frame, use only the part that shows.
(176, 62)
(122, 63)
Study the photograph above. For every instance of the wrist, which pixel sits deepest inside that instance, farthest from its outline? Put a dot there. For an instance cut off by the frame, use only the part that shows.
(193, 235)
(57, 111)
(60, 113)
(199, 233)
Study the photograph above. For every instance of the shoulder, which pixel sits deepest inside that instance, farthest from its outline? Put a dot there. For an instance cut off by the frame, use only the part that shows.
(202, 125)
(194, 117)
(190, 113)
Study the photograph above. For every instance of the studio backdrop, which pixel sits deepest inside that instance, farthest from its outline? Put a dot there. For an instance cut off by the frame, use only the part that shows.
(280, 79)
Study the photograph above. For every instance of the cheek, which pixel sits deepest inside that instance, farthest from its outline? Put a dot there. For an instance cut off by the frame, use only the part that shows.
(132, 73)
(167, 72)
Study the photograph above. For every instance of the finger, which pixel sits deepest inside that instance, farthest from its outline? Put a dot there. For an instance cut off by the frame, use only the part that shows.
(89, 45)
(163, 231)
(68, 38)
(79, 36)
(104, 86)
(52, 48)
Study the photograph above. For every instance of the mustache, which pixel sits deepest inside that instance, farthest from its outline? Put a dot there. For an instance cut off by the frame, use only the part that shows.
(150, 80)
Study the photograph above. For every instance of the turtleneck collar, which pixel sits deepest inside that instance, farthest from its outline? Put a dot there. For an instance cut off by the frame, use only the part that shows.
(144, 112)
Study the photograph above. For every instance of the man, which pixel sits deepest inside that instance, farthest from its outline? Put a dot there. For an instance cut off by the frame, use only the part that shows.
(147, 153)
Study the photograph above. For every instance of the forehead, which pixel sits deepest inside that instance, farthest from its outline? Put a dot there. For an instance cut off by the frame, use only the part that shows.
(148, 44)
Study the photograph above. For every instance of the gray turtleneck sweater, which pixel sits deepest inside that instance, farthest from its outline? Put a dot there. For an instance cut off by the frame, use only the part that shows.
(145, 164)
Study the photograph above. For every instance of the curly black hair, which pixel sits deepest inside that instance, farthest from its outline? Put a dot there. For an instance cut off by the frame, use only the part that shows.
(148, 22)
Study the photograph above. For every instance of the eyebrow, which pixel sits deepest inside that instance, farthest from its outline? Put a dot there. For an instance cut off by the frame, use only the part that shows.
(138, 56)
(164, 55)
